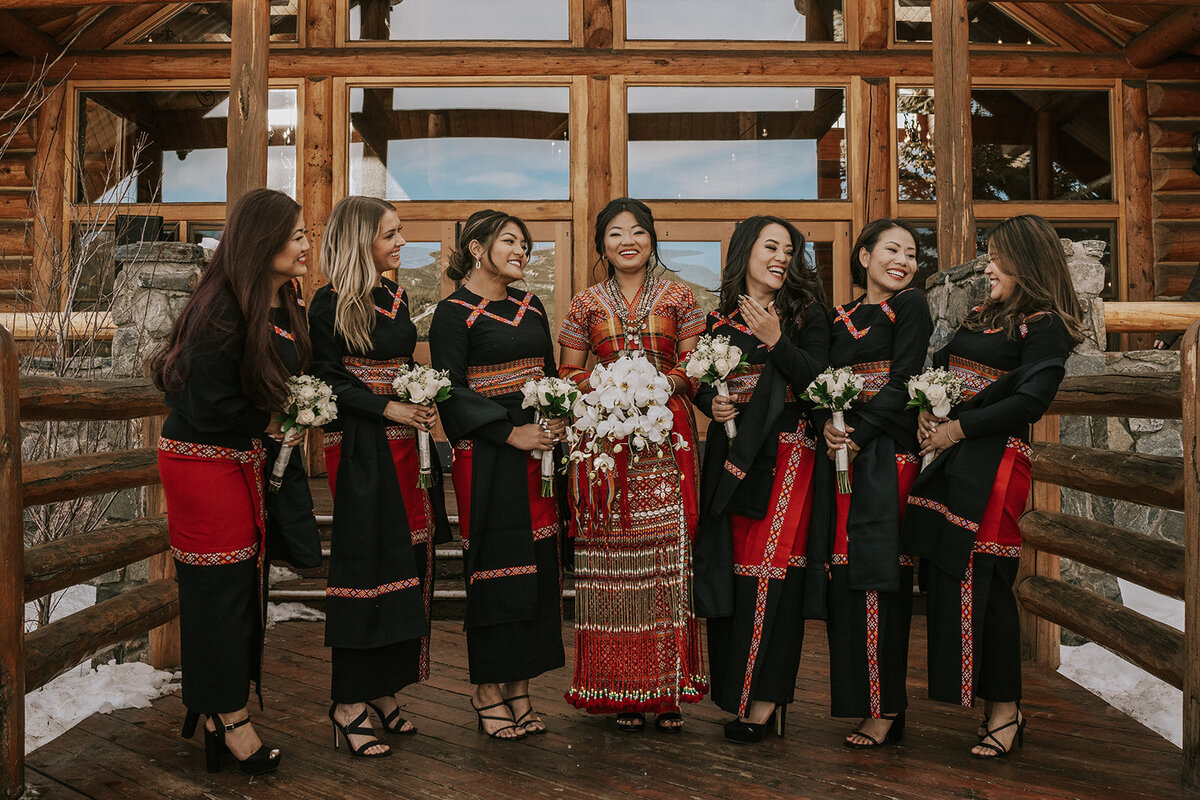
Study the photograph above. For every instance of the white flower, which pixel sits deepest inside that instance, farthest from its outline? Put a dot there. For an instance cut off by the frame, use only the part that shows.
(604, 462)
(918, 385)
(305, 417)
(696, 367)
(936, 395)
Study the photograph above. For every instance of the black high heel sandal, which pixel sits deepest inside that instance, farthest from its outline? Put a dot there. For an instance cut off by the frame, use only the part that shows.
(508, 701)
(394, 728)
(745, 732)
(480, 717)
(998, 750)
(894, 734)
(356, 728)
(263, 760)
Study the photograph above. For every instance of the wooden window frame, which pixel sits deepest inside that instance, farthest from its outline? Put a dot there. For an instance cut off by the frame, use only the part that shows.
(342, 34)
(128, 41)
(622, 42)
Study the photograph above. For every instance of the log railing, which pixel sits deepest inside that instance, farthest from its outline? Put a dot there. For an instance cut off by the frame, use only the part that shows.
(29, 661)
(1165, 567)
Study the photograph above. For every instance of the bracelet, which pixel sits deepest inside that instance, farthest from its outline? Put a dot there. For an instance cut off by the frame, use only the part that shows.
(951, 438)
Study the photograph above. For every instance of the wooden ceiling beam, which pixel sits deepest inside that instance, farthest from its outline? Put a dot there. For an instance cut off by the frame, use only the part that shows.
(952, 131)
(1060, 22)
(1174, 32)
(25, 39)
(59, 4)
(112, 26)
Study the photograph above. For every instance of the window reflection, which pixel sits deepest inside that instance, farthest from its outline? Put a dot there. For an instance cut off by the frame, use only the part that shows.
(690, 142)
(747, 20)
(420, 275)
(1076, 233)
(988, 24)
(212, 23)
(540, 277)
(417, 20)
(460, 143)
(144, 147)
(697, 265)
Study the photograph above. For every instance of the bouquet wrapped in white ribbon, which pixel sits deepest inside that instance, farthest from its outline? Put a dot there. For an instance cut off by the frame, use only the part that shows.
(713, 360)
(936, 391)
(550, 398)
(422, 386)
(311, 403)
(835, 389)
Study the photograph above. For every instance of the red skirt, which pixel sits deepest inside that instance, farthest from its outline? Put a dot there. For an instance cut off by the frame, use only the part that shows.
(402, 442)
(543, 511)
(908, 467)
(766, 547)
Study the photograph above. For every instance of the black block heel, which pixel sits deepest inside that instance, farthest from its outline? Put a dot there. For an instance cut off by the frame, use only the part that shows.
(189, 724)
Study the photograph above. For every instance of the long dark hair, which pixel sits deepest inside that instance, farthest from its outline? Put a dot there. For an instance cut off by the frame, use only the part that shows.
(483, 227)
(641, 213)
(239, 277)
(868, 237)
(1031, 247)
(800, 284)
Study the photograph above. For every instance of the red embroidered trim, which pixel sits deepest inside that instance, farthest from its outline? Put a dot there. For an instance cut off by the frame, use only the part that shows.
(968, 635)
(393, 433)
(733, 470)
(493, 380)
(1021, 447)
(975, 376)
(844, 316)
(886, 309)
(504, 572)
(997, 549)
(873, 684)
(481, 309)
(545, 532)
(876, 375)
(377, 375)
(291, 337)
(798, 561)
(396, 302)
(759, 571)
(210, 451)
(367, 594)
(933, 505)
(215, 559)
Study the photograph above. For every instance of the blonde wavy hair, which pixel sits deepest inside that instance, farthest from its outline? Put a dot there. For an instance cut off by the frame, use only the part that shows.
(346, 258)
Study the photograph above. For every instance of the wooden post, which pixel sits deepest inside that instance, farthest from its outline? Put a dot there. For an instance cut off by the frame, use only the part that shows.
(50, 173)
(1189, 360)
(873, 19)
(1139, 215)
(879, 121)
(594, 186)
(248, 99)
(12, 580)
(952, 132)
(163, 641)
(1039, 637)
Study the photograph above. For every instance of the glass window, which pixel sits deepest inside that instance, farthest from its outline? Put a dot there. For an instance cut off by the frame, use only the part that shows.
(745, 142)
(419, 20)
(1076, 232)
(927, 253)
(697, 265)
(540, 277)
(160, 146)
(199, 23)
(460, 143)
(1028, 144)
(420, 275)
(988, 24)
(748, 20)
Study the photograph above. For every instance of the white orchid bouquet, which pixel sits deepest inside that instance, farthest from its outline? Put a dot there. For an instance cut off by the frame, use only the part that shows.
(935, 391)
(550, 398)
(311, 403)
(712, 361)
(835, 389)
(422, 386)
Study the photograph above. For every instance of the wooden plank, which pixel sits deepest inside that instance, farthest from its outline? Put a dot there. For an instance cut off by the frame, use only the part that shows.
(248, 98)
(113, 25)
(1177, 241)
(25, 39)
(1173, 99)
(1064, 25)
(55, 648)
(1172, 172)
(1040, 637)
(50, 189)
(320, 24)
(317, 132)
(14, 207)
(88, 474)
(1139, 218)
(1149, 317)
(1149, 394)
(163, 641)
(952, 133)
(101, 398)
(1148, 561)
(14, 243)
(66, 562)
(1189, 370)
(1172, 280)
(874, 21)
(879, 121)
(12, 579)
(1183, 206)
(597, 24)
(1136, 477)
(26, 326)
(1154, 646)
(1165, 38)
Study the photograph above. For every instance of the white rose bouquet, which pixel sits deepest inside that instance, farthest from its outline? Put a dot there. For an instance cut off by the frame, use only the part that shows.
(311, 403)
(423, 386)
(550, 398)
(835, 389)
(713, 360)
(935, 391)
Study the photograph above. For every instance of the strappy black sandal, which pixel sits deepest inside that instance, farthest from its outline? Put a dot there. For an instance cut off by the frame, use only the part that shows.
(998, 750)
(508, 701)
(631, 722)
(393, 723)
(496, 733)
(894, 734)
(263, 760)
(668, 716)
(356, 728)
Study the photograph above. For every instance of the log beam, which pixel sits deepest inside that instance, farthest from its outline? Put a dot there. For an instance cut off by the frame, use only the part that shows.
(55, 648)
(1149, 317)
(597, 24)
(1174, 32)
(12, 580)
(1147, 561)
(1041, 638)
(59, 564)
(248, 98)
(25, 39)
(1154, 395)
(26, 326)
(1139, 214)
(46, 204)
(1189, 370)
(88, 474)
(68, 398)
(874, 17)
(1136, 477)
(952, 131)
(1154, 646)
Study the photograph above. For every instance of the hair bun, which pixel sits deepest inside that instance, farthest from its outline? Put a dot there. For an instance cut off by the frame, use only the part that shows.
(458, 265)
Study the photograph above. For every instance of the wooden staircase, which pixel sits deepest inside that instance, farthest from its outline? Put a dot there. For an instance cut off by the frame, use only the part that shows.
(1174, 116)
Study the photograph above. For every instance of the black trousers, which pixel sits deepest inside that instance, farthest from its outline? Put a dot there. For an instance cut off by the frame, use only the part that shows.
(220, 633)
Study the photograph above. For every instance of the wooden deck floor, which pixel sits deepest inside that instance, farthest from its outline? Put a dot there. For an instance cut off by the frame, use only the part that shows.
(1075, 747)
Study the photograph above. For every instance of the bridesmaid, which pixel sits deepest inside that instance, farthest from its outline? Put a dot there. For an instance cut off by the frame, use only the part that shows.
(493, 338)
(224, 368)
(1010, 353)
(637, 643)
(381, 564)
(756, 490)
(882, 336)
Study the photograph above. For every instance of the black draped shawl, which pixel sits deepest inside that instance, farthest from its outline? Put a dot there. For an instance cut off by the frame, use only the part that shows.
(372, 542)
(1034, 367)
(500, 535)
(793, 362)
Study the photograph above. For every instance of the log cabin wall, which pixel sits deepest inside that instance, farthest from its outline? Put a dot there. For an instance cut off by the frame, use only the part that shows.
(1174, 113)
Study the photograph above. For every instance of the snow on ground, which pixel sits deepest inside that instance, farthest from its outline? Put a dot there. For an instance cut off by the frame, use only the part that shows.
(282, 612)
(1154, 703)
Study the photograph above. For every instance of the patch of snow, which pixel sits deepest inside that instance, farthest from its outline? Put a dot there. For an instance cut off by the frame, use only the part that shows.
(280, 574)
(1152, 702)
(62, 603)
(282, 612)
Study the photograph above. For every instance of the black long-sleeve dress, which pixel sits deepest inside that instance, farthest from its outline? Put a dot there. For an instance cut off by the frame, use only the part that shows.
(511, 534)
(969, 539)
(380, 590)
(751, 556)
(211, 460)
(870, 586)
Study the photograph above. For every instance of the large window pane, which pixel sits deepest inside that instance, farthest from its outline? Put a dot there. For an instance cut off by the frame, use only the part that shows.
(460, 143)
(212, 23)
(420, 275)
(697, 265)
(144, 147)
(539, 278)
(747, 20)
(987, 24)
(418, 20)
(1076, 232)
(751, 142)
